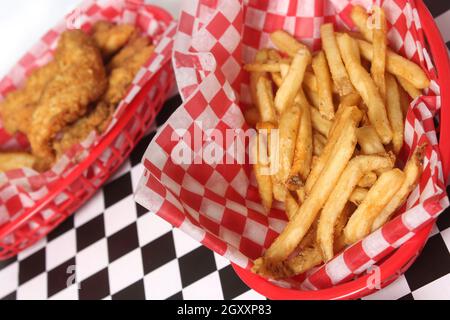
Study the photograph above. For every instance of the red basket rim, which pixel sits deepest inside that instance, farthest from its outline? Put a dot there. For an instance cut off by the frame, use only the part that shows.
(160, 14)
(393, 266)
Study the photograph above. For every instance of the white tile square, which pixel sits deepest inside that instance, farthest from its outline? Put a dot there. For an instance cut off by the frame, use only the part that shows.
(60, 249)
(163, 282)
(91, 260)
(207, 288)
(250, 295)
(35, 289)
(9, 279)
(151, 227)
(91, 209)
(125, 271)
(394, 291)
(221, 262)
(436, 290)
(120, 215)
(183, 243)
(34, 248)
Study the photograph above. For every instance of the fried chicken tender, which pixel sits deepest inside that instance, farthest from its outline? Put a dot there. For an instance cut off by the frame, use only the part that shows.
(16, 160)
(111, 38)
(80, 81)
(123, 68)
(17, 108)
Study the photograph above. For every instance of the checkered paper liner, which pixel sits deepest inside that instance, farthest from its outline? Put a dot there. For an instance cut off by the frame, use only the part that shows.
(218, 204)
(21, 189)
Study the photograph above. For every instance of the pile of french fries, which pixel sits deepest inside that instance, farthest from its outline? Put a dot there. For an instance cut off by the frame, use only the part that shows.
(340, 116)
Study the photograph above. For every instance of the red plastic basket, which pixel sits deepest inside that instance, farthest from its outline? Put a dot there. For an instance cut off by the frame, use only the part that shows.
(404, 257)
(82, 183)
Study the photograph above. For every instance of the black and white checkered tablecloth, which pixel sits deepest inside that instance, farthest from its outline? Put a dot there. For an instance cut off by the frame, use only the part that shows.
(117, 250)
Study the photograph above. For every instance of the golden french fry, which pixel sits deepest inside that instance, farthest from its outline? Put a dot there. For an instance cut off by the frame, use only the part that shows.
(313, 96)
(297, 228)
(379, 196)
(310, 81)
(277, 79)
(16, 160)
(358, 196)
(324, 85)
(413, 92)
(352, 99)
(262, 67)
(261, 168)
(301, 194)
(338, 72)
(369, 141)
(413, 170)
(405, 101)
(251, 116)
(379, 47)
(287, 43)
(349, 114)
(286, 93)
(366, 88)
(319, 123)
(291, 206)
(368, 180)
(361, 20)
(398, 66)
(265, 100)
(395, 113)
(355, 170)
(288, 131)
(274, 55)
(319, 143)
(303, 150)
(261, 57)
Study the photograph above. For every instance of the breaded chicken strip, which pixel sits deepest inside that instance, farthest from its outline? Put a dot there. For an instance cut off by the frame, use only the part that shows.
(80, 81)
(124, 67)
(110, 38)
(18, 106)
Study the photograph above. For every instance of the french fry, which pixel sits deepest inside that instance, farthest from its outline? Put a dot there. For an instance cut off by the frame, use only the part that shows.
(286, 93)
(16, 160)
(262, 67)
(356, 169)
(413, 170)
(352, 99)
(303, 150)
(366, 88)
(349, 115)
(380, 47)
(261, 168)
(412, 91)
(395, 113)
(287, 43)
(288, 131)
(378, 197)
(291, 206)
(310, 81)
(313, 96)
(398, 66)
(251, 116)
(261, 57)
(360, 19)
(274, 55)
(277, 79)
(369, 141)
(358, 196)
(301, 194)
(338, 71)
(324, 85)
(265, 100)
(368, 180)
(297, 228)
(319, 143)
(405, 101)
(319, 123)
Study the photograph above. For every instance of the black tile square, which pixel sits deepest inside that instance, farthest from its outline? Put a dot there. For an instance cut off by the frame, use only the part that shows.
(90, 232)
(117, 190)
(123, 242)
(95, 287)
(65, 226)
(140, 210)
(11, 296)
(176, 296)
(138, 151)
(168, 108)
(232, 286)
(196, 265)
(59, 277)
(443, 222)
(408, 297)
(432, 264)
(134, 292)
(437, 7)
(7, 262)
(32, 266)
(158, 252)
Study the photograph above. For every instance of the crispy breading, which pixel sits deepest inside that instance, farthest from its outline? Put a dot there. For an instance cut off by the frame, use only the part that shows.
(18, 106)
(81, 80)
(111, 38)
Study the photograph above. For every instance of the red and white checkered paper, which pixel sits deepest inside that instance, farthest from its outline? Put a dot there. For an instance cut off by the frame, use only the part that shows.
(21, 189)
(218, 204)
